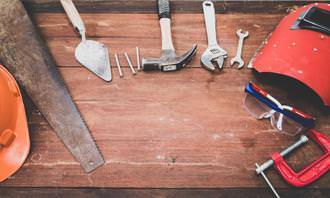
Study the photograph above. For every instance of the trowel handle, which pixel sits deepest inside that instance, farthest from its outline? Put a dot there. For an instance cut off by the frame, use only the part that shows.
(74, 16)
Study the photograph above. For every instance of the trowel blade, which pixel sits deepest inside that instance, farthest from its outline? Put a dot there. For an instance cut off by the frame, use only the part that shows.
(94, 56)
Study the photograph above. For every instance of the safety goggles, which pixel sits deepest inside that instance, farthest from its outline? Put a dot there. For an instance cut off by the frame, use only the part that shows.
(283, 118)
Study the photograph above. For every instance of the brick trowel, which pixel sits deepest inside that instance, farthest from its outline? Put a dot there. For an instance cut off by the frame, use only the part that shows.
(91, 54)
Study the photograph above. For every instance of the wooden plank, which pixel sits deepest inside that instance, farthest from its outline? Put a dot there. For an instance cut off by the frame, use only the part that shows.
(122, 34)
(214, 144)
(186, 129)
(158, 193)
(149, 6)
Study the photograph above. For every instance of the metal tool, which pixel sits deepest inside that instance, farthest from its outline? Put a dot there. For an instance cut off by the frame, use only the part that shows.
(130, 63)
(238, 58)
(260, 169)
(118, 66)
(91, 54)
(214, 53)
(168, 61)
(268, 182)
(308, 174)
(138, 58)
(39, 76)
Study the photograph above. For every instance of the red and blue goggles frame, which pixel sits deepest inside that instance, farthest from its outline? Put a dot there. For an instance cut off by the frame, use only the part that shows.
(298, 116)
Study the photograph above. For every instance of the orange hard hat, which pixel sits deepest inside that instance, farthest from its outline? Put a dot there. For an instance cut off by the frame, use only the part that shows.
(14, 133)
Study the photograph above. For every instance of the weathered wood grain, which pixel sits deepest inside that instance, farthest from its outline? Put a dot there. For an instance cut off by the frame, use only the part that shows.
(158, 193)
(190, 133)
(149, 6)
(186, 129)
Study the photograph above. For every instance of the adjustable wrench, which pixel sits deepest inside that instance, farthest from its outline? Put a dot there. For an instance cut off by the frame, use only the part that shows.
(213, 53)
(238, 58)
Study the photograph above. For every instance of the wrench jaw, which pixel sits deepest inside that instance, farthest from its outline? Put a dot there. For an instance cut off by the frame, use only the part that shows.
(206, 61)
(213, 57)
(241, 33)
(219, 61)
(240, 65)
(237, 60)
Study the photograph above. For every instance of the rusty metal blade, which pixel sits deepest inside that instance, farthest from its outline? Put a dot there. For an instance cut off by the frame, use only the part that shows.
(25, 55)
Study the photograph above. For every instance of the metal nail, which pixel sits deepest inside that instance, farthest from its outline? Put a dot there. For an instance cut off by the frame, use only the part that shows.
(138, 58)
(118, 66)
(130, 63)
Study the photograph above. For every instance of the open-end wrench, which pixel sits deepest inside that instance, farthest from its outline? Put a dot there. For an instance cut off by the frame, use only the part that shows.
(213, 53)
(238, 58)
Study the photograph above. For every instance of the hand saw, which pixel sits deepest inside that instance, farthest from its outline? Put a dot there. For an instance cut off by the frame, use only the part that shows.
(27, 58)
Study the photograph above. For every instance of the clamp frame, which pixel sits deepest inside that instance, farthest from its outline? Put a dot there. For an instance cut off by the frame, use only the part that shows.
(311, 172)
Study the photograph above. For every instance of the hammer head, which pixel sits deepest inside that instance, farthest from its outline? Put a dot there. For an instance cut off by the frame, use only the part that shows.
(169, 61)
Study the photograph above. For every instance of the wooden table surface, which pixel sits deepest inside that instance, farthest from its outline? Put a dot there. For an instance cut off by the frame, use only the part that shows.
(186, 129)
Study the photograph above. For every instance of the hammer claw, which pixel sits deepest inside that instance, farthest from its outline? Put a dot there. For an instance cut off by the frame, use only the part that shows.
(169, 61)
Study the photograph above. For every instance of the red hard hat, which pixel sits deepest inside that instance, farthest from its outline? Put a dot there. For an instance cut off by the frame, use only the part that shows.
(14, 134)
(298, 51)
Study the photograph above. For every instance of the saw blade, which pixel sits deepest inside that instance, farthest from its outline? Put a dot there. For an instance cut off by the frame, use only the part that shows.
(25, 55)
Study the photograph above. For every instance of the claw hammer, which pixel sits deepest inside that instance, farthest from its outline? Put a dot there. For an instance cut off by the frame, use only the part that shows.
(168, 61)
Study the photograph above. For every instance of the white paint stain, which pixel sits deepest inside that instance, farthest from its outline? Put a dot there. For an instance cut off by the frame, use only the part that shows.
(229, 134)
(69, 47)
(102, 24)
(53, 25)
(160, 157)
(216, 136)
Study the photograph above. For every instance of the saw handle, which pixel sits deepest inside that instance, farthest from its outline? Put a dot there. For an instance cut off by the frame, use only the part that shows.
(74, 17)
(163, 7)
(311, 172)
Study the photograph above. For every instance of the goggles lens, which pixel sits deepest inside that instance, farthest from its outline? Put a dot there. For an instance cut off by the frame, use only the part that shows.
(285, 125)
(255, 103)
(256, 108)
